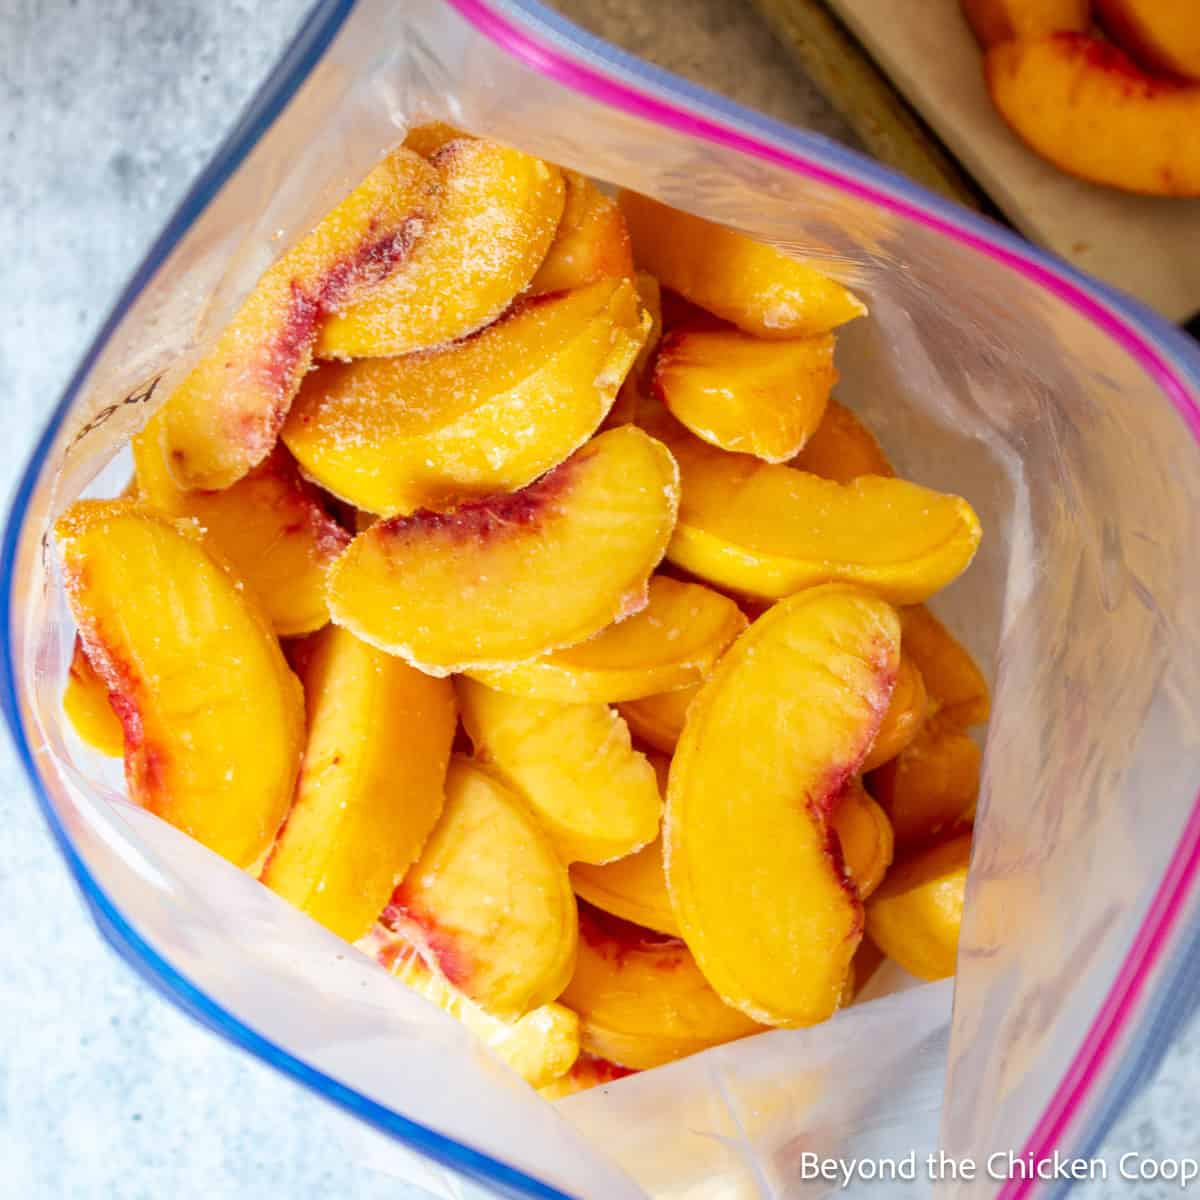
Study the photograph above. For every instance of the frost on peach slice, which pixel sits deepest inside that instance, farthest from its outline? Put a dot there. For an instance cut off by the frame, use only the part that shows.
(641, 999)
(510, 577)
(755, 879)
(658, 720)
(488, 901)
(429, 137)
(213, 717)
(223, 419)
(671, 643)
(574, 764)
(955, 684)
(371, 784)
(905, 716)
(271, 525)
(865, 835)
(591, 242)
(488, 414)
(760, 289)
(85, 703)
(499, 212)
(842, 448)
(743, 393)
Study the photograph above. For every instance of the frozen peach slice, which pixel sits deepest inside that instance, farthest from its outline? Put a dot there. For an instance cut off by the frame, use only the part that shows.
(85, 702)
(213, 717)
(904, 717)
(671, 643)
(786, 718)
(760, 289)
(743, 393)
(995, 21)
(1164, 34)
(595, 795)
(915, 917)
(865, 835)
(488, 414)
(641, 999)
(842, 448)
(658, 720)
(954, 682)
(225, 416)
(586, 1072)
(499, 212)
(513, 576)
(591, 243)
(488, 901)
(427, 139)
(371, 785)
(766, 530)
(1088, 108)
(271, 525)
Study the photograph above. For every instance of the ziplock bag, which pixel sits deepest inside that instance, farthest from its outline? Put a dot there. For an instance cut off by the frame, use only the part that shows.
(1068, 416)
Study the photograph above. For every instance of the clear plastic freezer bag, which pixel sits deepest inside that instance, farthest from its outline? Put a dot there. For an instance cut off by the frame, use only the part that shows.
(1067, 415)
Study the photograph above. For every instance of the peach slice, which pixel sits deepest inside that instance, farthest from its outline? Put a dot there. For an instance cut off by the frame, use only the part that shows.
(629, 399)
(428, 138)
(595, 795)
(745, 394)
(225, 416)
(842, 448)
(271, 525)
(658, 720)
(371, 785)
(671, 643)
(591, 243)
(865, 835)
(499, 212)
(488, 901)
(1164, 34)
(641, 999)
(511, 577)
(85, 703)
(786, 718)
(213, 717)
(760, 289)
(767, 531)
(1088, 108)
(488, 414)
(995, 21)
(905, 715)
(916, 915)
(955, 684)
(586, 1072)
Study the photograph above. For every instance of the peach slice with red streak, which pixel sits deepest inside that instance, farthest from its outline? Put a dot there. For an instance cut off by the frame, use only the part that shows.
(671, 643)
(905, 715)
(1091, 110)
(484, 415)
(591, 242)
(865, 835)
(641, 999)
(213, 717)
(85, 703)
(271, 525)
(783, 722)
(757, 287)
(596, 797)
(498, 215)
(1164, 34)
(371, 785)
(505, 579)
(658, 720)
(745, 394)
(488, 901)
(842, 448)
(586, 1072)
(995, 21)
(224, 418)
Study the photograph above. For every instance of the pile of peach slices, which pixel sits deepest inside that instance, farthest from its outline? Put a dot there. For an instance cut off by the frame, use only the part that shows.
(458, 460)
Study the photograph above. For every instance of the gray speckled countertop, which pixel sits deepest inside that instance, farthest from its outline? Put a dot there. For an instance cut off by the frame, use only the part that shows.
(107, 111)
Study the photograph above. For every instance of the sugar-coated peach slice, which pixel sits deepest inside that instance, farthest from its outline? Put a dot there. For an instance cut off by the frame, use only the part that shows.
(595, 795)
(905, 715)
(85, 702)
(916, 915)
(995, 21)
(760, 289)
(766, 530)
(865, 834)
(842, 448)
(213, 717)
(954, 682)
(271, 525)
(787, 716)
(671, 643)
(225, 416)
(541, 1047)
(743, 393)
(591, 242)
(499, 212)
(510, 577)
(371, 785)
(641, 999)
(658, 720)
(1091, 110)
(586, 1072)
(484, 415)
(1164, 34)
(428, 138)
(488, 901)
